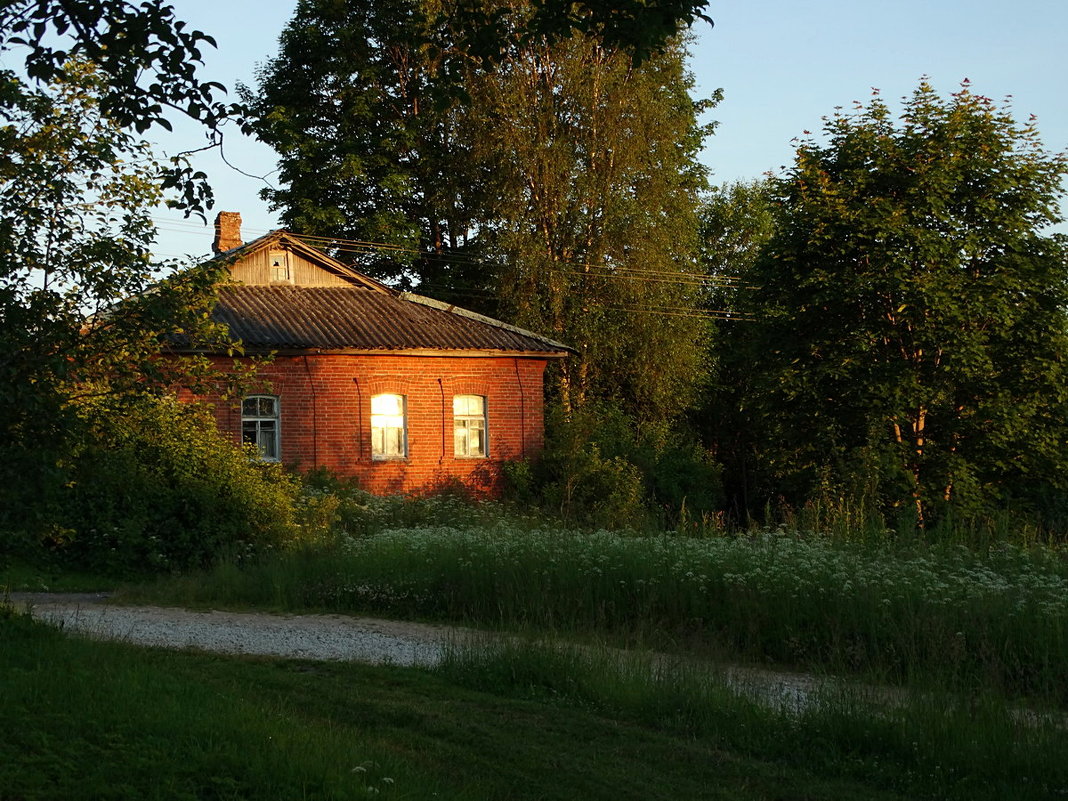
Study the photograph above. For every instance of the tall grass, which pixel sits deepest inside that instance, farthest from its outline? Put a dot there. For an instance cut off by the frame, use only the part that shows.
(935, 745)
(989, 619)
(87, 721)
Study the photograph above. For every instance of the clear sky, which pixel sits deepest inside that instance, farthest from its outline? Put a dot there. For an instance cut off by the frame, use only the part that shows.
(783, 65)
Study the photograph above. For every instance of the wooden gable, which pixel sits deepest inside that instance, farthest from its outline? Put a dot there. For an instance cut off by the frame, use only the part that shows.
(280, 259)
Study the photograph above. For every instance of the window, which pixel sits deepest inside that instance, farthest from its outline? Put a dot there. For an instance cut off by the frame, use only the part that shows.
(389, 432)
(279, 261)
(259, 425)
(469, 425)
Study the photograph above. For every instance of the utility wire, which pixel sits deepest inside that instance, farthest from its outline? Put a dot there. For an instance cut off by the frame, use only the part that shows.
(622, 273)
(367, 247)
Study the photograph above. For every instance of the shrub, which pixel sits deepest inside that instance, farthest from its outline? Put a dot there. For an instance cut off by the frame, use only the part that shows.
(151, 484)
(357, 512)
(603, 470)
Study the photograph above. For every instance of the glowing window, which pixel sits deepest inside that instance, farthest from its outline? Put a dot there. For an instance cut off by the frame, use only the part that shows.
(469, 425)
(389, 430)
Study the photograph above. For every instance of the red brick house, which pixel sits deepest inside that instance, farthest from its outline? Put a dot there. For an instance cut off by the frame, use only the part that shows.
(400, 391)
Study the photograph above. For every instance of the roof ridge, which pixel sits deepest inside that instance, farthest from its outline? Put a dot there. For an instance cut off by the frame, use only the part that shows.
(452, 308)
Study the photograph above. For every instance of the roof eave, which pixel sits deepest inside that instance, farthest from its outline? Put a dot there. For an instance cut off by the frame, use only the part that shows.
(247, 351)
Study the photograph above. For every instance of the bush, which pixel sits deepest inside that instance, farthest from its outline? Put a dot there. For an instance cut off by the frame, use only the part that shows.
(152, 485)
(601, 469)
(357, 512)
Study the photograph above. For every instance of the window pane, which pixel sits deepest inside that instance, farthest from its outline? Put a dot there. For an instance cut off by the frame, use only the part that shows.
(388, 427)
(394, 442)
(467, 404)
(387, 404)
(259, 425)
(387, 421)
(268, 443)
(387, 441)
(469, 425)
(279, 261)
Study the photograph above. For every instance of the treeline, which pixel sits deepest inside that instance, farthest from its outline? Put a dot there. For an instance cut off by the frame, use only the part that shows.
(879, 330)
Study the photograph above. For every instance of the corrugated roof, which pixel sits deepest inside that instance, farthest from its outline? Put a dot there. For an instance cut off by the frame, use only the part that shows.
(358, 318)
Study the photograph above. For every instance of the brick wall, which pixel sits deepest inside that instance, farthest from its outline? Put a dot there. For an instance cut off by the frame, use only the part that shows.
(325, 407)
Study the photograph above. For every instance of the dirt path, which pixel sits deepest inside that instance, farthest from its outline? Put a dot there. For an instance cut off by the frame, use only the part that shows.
(327, 637)
(372, 640)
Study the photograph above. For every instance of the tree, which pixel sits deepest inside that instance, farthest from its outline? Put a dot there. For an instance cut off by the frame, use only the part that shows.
(913, 332)
(76, 190)
(369, 95)
(597, 219)
(144, 59)
(737, 221)
(557, 176)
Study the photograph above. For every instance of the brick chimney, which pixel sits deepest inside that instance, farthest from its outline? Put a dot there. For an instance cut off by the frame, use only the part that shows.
(227, 231)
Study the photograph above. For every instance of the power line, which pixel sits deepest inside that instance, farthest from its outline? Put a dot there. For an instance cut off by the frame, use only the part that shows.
(365, 247)
(620, 273)
(368, 247)
(670, 311)
(697, 314)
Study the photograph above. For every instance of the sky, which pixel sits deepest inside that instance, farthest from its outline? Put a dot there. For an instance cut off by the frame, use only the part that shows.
(783, 65)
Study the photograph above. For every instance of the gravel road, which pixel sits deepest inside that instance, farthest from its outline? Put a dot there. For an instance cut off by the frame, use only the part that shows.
(328, 637)
(371, 640)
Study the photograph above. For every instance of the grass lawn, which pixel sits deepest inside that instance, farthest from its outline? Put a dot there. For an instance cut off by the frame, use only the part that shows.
(86, 720)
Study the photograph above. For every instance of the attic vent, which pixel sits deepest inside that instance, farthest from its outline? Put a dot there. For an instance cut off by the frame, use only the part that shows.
(279, 262)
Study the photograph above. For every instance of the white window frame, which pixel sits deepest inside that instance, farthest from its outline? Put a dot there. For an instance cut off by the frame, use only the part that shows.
(280, 274)
(380, 452)
(258, 419)
(465, 422)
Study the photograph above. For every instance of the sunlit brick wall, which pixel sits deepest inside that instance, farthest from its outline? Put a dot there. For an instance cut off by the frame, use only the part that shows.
(325, 407)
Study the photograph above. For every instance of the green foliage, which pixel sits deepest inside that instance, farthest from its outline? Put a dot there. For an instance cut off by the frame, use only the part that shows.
(369, 94)
(154, 486)
(351, 511)
(912, 332)
(597, 216)
(947, 616)
(554, 183)
(737, 220)
(600, 469)
(146, 60)
(934, 745)
(76, 193)
(136, 723)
